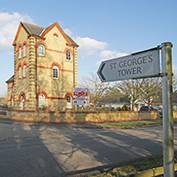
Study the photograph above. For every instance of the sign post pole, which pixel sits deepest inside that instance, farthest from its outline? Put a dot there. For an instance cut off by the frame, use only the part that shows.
(167, 91)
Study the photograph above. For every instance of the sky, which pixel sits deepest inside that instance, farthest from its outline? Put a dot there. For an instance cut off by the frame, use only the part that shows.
(104, 29)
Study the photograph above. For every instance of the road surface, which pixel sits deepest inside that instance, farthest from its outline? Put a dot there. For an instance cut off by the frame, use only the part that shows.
(28, 150)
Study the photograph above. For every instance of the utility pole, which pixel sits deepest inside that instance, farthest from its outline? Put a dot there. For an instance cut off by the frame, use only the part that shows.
(167, 92)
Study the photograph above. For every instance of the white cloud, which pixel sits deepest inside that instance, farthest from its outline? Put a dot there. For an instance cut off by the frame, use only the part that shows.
(108, 54)
(8, 27)
(90, 46)
(99, 49)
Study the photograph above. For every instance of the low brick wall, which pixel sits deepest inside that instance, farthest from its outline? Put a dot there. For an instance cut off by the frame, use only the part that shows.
(79, 117)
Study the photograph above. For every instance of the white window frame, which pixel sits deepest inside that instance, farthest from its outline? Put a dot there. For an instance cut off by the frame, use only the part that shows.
(41, 50)
(20, 52)
(24, 51)
(55, 72)
(68, 55)
(41, 101)
(68, 100)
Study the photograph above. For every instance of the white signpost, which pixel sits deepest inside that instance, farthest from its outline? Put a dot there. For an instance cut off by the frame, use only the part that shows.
(138, 65)
(146, 64)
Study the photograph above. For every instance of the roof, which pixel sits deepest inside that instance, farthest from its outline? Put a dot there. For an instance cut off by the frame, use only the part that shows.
(33, 29)
(11, 79)
(72, 40)
(39, 31)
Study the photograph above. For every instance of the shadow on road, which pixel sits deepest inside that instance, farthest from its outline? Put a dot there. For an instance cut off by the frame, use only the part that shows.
(28, 150)
(23, 154)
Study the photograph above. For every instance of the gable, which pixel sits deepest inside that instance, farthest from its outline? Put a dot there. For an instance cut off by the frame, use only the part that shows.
(55, 40)
(67, 39)
(21, 35)
(31, 29)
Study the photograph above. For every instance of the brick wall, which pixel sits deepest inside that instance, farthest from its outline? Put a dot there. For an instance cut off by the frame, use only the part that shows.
(78, 117)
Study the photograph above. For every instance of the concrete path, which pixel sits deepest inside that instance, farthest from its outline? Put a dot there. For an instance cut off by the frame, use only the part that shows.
(28, 150)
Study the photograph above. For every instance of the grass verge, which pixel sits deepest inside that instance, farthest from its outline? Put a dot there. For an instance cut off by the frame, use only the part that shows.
(132, 124)
(132, 168)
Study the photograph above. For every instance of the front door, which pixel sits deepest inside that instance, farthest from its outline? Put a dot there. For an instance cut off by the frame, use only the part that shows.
(68, 102)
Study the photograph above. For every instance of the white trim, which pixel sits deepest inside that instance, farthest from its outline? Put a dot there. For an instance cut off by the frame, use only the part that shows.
(41, 50)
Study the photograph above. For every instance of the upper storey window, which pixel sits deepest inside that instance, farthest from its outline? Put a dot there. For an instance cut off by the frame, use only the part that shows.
(55, 72)
(68, 55)
(20, 52)
(41, 50)
(24, 51)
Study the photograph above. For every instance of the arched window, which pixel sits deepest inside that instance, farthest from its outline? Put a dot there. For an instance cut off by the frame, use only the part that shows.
(55, 72)
(42, 101)
(68, 55)
(22, 101)
(20, 72)
(24, 70)
(68, 99)
(41, 50)
(68, 102)
(20, 52)
(24, 51)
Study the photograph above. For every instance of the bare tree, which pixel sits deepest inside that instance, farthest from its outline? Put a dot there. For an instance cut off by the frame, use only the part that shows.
(112, 95)
(132, 90)
(151, 90)
(140, 90)
(96, 87)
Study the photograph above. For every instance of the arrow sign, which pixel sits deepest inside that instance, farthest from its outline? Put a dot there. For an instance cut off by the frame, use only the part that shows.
(100, 74)
(137, 65)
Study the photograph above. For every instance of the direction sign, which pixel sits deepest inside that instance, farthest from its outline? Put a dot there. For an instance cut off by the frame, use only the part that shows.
(142, 65)
(137, 65)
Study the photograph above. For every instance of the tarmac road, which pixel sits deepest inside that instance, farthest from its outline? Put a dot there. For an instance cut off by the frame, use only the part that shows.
(28, 150)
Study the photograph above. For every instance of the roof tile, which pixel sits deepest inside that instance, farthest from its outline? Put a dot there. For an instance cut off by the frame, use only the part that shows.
(33, 29)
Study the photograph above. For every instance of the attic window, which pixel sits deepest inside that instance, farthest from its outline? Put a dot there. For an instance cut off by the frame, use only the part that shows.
(68, 55)
(55, 34)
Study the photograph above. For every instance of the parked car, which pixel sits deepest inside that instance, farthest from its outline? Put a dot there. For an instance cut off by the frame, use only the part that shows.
(146, 108)
(159, 110)
(151, 108)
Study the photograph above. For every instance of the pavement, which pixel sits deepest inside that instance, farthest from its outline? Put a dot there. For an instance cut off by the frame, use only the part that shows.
(28, 150)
